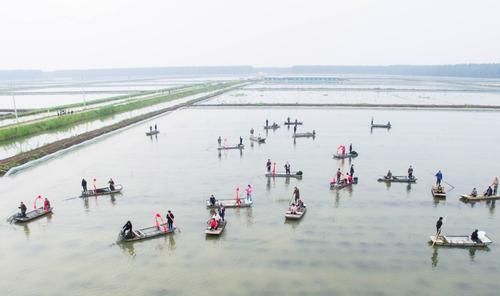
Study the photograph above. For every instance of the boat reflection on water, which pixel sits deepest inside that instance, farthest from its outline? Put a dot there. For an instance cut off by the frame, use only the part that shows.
(472, 253)
(27, 231)
(112, 199)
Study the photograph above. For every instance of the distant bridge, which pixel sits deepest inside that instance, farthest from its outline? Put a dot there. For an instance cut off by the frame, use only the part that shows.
(303, 79)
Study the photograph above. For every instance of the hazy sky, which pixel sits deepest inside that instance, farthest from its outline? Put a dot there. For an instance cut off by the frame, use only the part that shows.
(62, 34)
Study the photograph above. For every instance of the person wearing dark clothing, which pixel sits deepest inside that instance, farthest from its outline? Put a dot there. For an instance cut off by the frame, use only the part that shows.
(267, 122)
(410, 172)
(350, 148)
(439, 177)
(288, 120)
(352, 170)
(241, 141)
(212, 200)
(296, 194)
(295, 129)
(111, 184)
(127, 230)
(219, 140)
(489, 191)
(84, 185)
(23, 209)
(475, 237)
(439, 223)
(222, 212)
(170, 220)
(156, 127)
(268, 165)
(287, 168)
(339, 175)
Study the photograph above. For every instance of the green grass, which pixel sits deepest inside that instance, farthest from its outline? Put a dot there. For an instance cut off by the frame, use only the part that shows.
(24, 130)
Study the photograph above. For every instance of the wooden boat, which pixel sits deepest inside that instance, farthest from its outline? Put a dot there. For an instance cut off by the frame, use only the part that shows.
(463, 241)
(218, 230)
(147, 233)
(102, 191)
(304, 135)
(297, 175)
(388, 125)
(257, 139)
(240, 147)
(438, 192)
(273, 127)
(398, 179)
(467, 197)
(32, 215)
(230, 203)
(353, 154)
(343, 184)
(298, 214)
(151, 133)
(293, 123)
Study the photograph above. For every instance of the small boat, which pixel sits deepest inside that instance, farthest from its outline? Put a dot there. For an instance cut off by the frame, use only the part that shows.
(467, 197)
(257, 139)
(151, 133)
(297, 215)
(293, 123)
(146, 233)
(32, 215)
(304, 135)
(398, 179)
(297, 175)
(463, 241)
(273, 127)
(102, 191)
(438, 192)
(230, 203)
(353, 154)
(343, 184)
(218, 230)
(388, 125)
(240, 147)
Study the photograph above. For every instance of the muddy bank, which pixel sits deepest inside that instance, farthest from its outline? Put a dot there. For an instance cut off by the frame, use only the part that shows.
(25, 157)
(341, 105)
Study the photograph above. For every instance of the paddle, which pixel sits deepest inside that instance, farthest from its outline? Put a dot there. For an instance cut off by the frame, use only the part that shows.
(452, 187)
(436, 237)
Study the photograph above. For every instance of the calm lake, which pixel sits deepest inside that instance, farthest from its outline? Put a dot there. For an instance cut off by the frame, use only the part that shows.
(370, 240)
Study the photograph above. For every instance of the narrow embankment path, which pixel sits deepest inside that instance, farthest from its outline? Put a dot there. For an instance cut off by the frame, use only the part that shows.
(25, 157)
(358, 105)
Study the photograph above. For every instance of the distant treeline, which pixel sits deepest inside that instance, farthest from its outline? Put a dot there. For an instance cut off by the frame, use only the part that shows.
(462, 70)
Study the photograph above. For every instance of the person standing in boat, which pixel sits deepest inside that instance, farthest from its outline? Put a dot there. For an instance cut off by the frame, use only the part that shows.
(150, 129)
(288, 120)
(249, 190)
(495, 186)
(46, 205)
(339, 175)
(372, 120)
(267, 123)
(111, 184)
(251, 131)
(222, 212)
(241, 141)
(156, 127)
(410, 172)
(287, 168)
(170, 220)
(295, 129)
(84, 185)
(439, 177)
(23, 209)
(439, 224)
(219, 140)
(127, 230)
(350, 148)
(212, 200)
(352, 170)
(296, 193)
(268, 165)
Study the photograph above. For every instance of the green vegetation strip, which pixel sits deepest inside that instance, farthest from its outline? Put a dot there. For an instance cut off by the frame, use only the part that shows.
(15, 132)
(25, 157)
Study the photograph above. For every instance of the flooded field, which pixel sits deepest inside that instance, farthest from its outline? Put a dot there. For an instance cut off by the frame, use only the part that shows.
(371, 240)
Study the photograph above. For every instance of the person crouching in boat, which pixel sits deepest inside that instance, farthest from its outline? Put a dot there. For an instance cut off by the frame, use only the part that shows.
(23, 209)
(300, 204)
(389, 175)
(474, 192)
(489, 191)
(349, 178)
(475, 237)
(222, 212)
(127, 232)
(213, 224)
(212, 200)
(46, 205)
(293, 209)
(111, 184)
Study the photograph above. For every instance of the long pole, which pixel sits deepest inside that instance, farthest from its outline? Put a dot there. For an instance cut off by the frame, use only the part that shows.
(14, 102)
